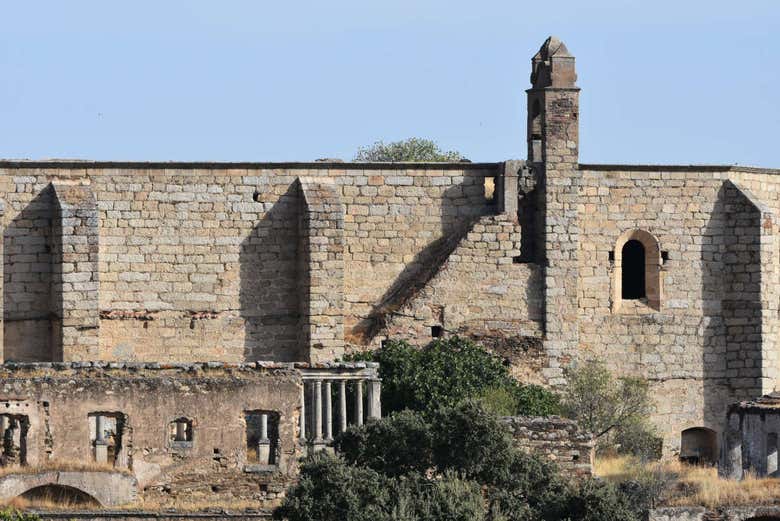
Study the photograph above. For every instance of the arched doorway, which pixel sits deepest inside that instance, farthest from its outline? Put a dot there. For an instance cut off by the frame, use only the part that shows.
(699, 446)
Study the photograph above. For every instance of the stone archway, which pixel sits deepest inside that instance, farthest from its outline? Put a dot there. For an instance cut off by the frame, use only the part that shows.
(62, 495)
(106, 488)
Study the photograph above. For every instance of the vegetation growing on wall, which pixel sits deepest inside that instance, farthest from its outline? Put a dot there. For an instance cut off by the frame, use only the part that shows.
(449, 371)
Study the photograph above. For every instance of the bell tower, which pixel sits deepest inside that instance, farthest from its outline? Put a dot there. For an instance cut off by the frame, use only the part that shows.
(553, 140)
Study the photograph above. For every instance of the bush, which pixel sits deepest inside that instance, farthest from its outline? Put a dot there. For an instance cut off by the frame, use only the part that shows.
(449, 371)
(331, 490)
(640, 439)
(398, 444)
(593, 500)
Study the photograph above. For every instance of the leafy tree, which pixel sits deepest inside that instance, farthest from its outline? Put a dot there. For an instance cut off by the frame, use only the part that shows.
(412, 149)
(608, 407)
(449, 371)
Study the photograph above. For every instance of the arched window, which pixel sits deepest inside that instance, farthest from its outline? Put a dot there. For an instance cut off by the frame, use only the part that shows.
(636, 285)
(633, 274)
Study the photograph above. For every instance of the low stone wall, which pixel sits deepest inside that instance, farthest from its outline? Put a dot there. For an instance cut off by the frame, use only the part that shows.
(558, 439)
(762, 513)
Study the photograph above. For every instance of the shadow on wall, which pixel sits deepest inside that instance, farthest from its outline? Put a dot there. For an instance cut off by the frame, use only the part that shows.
(731, 302)
(268, 292)
(31, 328)
(458, 216)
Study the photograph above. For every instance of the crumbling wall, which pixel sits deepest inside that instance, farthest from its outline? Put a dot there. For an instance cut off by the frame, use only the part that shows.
(215, 466)
(559, 440)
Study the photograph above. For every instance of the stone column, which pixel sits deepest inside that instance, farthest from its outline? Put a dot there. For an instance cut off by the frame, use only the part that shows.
(317, 410)
(264, 443)
(328, 411)
(342, 405)
(374, 399)
(101, 447)
(731, 456)
(358, 402)
(181, 431)
(302, 421)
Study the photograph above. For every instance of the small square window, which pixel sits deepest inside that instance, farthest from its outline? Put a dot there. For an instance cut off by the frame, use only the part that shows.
(437, 331)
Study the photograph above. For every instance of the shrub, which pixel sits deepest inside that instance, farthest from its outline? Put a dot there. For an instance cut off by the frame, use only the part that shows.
(448, 498)
(331, 490)
(640, 439)
(449, 371)
(398, 444)
(593, 500)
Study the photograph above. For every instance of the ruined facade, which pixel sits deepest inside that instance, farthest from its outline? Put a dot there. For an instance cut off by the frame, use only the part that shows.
(122, 274)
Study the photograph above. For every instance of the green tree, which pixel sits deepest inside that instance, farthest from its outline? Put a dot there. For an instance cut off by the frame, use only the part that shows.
(412, 149)
(610, 408)
(449, 371)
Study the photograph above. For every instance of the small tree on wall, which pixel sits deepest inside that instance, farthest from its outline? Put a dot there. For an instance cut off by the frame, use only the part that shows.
(412, 149)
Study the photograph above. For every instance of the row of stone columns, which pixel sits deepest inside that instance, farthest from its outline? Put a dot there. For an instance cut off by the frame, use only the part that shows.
(320, 391)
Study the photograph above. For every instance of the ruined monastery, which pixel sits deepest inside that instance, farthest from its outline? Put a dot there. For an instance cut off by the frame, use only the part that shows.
(184, 323)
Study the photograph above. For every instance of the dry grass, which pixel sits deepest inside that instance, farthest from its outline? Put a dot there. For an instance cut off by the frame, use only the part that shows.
(62, 466)
(200, 505)
(691, 484)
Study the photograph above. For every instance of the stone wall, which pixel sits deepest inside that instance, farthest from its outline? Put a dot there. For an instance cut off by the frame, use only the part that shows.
(701, 346)
(745, 513)
(57, 403)
(211, 262)
(559, 440)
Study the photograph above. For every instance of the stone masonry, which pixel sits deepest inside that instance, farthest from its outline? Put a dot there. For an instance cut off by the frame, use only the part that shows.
(667, 272)
(559, 440)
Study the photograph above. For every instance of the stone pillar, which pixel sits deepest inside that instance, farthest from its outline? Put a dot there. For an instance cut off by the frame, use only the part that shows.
(342, 405)
(101, 446)
(302, 420)
(328, 411)
(374, 399)
(317, 393)
(264, 443)
(507, 188)
(553, 137)
(358, 402)
(181, 431)
(75, 280)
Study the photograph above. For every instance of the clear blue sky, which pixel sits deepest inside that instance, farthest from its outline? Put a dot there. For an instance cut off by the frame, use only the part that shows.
(662, 81)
